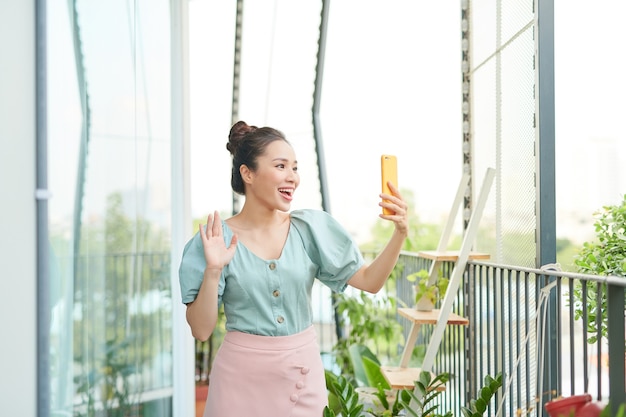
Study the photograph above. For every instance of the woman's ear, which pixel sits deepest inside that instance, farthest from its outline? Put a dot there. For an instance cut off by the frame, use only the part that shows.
(246, 174)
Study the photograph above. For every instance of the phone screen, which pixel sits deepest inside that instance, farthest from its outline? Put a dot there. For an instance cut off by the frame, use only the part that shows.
(389, 172)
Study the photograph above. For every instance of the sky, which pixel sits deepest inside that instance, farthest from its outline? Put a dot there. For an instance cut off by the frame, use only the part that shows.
(392, 85)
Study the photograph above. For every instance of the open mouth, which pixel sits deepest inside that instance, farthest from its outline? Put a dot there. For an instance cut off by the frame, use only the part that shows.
(288, 192)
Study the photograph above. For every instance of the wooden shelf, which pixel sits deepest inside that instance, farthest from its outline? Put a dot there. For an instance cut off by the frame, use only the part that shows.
(404, 378)
(430, 317)
(451, 256)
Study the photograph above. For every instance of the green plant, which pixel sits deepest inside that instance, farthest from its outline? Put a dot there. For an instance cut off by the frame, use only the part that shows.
(389, 410)
(604, 256)
(343, 398)
(478, 406)
(608, 411)
(422, 403)
(423, 288)
(377, 393)
(110, 375)
(371, 322)
(346, 400)
(334, 404)
(366, 367)
(328, 412)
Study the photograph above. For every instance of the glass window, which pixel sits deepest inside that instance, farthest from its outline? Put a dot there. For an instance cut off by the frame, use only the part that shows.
(109, 217)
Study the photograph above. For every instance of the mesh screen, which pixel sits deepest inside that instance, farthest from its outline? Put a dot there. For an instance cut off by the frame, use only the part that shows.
(503, 107)
(503, 137)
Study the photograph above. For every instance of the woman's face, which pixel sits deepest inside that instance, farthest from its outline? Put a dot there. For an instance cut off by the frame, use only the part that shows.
(276, 178)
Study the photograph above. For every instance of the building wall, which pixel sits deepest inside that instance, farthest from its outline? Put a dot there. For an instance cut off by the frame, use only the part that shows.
(17, 213)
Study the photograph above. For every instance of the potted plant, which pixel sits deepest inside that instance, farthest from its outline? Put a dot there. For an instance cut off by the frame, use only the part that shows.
(566, 406)
(606, 255)
(423, 401)
(426, 294)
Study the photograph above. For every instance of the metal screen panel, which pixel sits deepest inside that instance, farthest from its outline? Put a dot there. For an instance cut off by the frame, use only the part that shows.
(503, 107)
(502, 101)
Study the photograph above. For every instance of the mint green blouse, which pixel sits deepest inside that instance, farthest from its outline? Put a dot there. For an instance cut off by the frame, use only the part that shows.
(272, 297)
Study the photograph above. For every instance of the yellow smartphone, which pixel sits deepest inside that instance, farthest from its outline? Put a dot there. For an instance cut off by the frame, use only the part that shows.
(388, 172)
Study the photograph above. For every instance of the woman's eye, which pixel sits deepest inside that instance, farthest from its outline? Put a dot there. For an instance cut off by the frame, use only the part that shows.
(280, 166)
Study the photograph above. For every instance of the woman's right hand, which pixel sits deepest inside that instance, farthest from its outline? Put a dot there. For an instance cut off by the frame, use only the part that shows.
(216, 254)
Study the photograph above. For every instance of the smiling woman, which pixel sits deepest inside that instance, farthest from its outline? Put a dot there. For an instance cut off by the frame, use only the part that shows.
(261, 264)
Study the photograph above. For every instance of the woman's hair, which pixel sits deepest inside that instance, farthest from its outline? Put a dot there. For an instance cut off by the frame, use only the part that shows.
(246, 143)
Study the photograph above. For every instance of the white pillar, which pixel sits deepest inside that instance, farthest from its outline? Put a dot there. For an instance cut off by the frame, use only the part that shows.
(183, 349)
(18, 254)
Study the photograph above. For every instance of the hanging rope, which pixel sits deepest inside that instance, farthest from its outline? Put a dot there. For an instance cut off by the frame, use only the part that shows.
(543, 298)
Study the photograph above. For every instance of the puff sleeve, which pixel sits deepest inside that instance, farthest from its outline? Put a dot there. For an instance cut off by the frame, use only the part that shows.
(329, 246)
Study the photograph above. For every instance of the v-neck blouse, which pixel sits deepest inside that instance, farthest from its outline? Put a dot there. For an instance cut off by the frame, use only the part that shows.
(272, 297)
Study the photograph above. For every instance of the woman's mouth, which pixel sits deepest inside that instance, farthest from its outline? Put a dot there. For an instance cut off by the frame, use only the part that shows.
(287, 193)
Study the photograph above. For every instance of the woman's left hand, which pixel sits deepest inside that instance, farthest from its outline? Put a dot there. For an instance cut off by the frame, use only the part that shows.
(395, 203)
(372, 277)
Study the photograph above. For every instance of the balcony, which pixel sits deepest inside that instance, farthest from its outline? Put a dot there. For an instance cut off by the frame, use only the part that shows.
(524, 323)
(528, 325)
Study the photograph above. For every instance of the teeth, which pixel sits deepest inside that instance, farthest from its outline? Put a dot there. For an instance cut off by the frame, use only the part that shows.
(285, 190)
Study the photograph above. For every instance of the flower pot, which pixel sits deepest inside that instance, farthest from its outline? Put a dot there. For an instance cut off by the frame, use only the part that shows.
(591, 409)
(424, 304)
(201, 394)
(566, 407)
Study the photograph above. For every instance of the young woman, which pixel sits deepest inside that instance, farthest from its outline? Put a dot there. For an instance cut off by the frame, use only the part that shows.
(261, 264)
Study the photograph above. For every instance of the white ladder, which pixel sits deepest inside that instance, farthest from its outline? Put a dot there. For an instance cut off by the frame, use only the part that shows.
(403, 376)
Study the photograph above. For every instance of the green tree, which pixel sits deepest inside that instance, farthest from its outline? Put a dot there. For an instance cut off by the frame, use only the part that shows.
(122, 266)
(606, 255)
(118, 228)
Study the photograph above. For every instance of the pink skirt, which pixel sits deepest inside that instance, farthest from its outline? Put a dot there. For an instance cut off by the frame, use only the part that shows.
(267, 376)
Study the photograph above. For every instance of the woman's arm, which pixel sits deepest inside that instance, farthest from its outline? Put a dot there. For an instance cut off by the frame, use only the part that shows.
(372, 277)
(202, 312)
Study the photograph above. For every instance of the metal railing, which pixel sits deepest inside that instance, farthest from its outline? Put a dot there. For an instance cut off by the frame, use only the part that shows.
(539, 328)
(121, 331)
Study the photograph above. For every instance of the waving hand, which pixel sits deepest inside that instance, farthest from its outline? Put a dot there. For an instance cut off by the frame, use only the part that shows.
(216, 254)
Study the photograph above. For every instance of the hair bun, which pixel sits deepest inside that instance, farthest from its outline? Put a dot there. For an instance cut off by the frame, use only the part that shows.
(237, 134)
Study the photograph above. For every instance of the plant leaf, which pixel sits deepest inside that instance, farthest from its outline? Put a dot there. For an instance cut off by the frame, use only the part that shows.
(485, 394)
(481, 405)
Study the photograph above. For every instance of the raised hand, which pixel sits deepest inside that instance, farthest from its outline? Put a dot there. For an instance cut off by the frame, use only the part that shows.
(216, 254)
(395, 203)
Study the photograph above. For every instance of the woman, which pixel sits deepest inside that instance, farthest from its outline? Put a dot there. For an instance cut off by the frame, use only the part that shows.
(261, 264)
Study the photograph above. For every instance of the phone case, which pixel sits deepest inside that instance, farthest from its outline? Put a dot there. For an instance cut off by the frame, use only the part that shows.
(389, 172)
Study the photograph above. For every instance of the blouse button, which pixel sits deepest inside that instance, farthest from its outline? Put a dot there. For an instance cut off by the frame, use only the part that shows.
(272, 266)
(299, 384)
(304, 370)
(294, 398)
(280, 319)
(276, 293)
